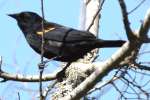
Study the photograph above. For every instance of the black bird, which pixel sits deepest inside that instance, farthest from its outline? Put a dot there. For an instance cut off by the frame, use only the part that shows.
(61, 43)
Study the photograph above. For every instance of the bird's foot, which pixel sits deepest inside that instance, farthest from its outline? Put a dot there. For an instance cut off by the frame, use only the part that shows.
(60, 75)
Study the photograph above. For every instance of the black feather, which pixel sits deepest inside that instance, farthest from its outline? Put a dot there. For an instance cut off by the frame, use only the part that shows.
(62, 43)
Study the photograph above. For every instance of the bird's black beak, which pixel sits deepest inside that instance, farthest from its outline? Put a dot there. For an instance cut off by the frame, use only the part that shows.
(13, 15)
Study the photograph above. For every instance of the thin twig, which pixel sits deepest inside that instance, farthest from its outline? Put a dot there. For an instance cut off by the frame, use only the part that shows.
(42, 46)
(88, 1)
(145, 26)
(40, 87)
(96, 14)
(49, 88)
(18, 96)
(142, 67)
(105, 83)
(4, 79)
(136, 7)
(119, 91)
(137, 86)
(1, 60)
(41, 67)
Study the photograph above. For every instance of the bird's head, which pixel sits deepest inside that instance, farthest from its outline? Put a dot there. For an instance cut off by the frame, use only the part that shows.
(27, 19)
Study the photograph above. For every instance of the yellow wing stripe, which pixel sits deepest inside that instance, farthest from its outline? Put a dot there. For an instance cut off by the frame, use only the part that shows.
(46, 30)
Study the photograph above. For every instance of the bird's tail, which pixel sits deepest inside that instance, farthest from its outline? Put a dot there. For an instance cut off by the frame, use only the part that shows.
(109, 43)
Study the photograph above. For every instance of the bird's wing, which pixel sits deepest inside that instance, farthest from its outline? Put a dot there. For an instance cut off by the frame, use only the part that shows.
(62, 33)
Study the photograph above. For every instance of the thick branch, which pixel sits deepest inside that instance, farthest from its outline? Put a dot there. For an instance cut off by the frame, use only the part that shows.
(107, 66)
(100, 72)
(35, 78)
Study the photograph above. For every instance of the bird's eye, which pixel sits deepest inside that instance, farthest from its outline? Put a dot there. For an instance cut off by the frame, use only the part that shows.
(24, 17)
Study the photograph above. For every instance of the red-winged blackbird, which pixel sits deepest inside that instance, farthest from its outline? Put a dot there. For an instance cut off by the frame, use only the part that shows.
(61, 43)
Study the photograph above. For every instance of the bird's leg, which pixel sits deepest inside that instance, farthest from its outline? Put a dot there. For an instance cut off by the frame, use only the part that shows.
(60, 75)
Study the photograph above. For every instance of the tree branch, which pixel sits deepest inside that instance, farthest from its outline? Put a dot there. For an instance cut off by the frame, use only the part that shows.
(96, 14)
(28, 78)
(104, 83)
(35, 78)
(106, 67)
(42, 65)
(145, 26)
(126, 22)
(136, 7)
(46, 77)
(142, 67)
(100, 72)
(1, 61)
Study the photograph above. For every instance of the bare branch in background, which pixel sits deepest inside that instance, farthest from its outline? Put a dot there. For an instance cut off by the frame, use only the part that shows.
(1, 61)
(42, 65)
(126, 50)
(119, 91)
(87, 2)
(96, 14)
(145, 26)
(93, 16)
(126, 22)
(18, 96)
(142, 67)
(124, 61)
(136, 7)
(48, 89)
(105, 83)
(82, 17)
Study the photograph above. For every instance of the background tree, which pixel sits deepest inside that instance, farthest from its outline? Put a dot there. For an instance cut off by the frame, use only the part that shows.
(125, 73)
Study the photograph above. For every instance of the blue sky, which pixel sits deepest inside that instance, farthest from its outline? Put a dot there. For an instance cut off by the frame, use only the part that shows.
(18, 57)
